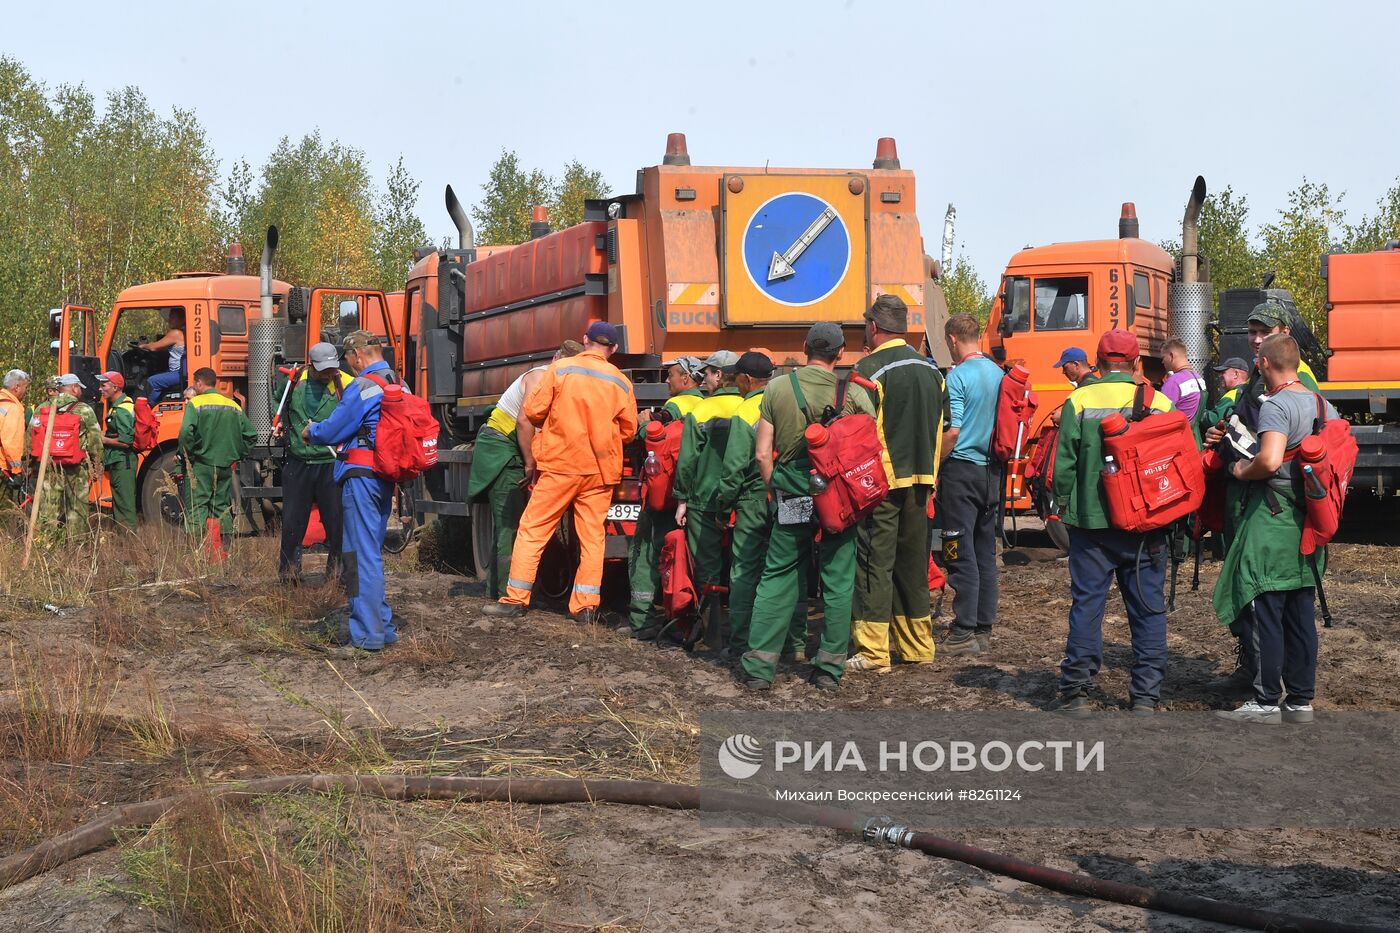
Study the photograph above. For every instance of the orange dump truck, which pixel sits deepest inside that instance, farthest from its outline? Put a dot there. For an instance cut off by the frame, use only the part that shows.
(244, 327)
(696, 260)
(1067, 294)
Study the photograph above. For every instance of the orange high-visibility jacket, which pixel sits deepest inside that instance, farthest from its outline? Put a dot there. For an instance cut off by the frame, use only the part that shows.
(11, 433)
(585, 411)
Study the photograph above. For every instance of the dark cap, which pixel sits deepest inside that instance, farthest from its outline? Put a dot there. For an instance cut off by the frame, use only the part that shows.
(825, 337)
(1118, 345)
(1270, 313)
(754, 364)
(890, 314)
(1233, 362)
(361, 339)
(603, 332)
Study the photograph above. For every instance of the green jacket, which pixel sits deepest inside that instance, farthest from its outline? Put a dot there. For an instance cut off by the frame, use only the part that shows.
(215, 431)
(311, 401)
(909, 411)
(704, 447)
(677, 406)
(1079, 456)
(121, 424)
(779, 408)
(1210, 417)
(91, 432)
(1263, 555)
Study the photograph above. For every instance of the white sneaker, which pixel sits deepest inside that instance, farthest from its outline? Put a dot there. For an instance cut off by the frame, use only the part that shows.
(1252, 712)
(861, 663)
(1303, 712)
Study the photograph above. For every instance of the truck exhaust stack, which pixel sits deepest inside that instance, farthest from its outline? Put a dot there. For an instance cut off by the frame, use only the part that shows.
(466, 239)
(265, 272)
(264, 344)
(1189, 298)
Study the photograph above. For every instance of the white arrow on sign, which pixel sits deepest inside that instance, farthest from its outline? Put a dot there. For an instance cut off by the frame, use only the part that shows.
(781, 266)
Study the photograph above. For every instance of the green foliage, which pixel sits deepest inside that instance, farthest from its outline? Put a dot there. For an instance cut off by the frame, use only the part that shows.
(1372, 232)
(503, 215)
(1295, 244)
(965, 291)
(96, 197)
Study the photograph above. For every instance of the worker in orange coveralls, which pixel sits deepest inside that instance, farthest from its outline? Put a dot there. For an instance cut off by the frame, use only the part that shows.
(584, 410)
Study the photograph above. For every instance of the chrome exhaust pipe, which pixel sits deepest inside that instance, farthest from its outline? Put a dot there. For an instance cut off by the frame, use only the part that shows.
(466, 239)
(1190, 232)
(269, 250)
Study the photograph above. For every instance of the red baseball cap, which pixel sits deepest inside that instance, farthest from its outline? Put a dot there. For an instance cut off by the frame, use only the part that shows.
(115, 378)
(1118, 345)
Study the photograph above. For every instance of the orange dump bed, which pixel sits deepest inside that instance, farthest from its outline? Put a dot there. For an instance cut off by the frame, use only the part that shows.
(1363, 325)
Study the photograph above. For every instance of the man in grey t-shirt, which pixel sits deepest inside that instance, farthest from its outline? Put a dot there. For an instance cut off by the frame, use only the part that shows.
(1266, 582)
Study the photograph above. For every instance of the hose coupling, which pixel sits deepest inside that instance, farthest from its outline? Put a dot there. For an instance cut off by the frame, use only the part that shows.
(880, 829)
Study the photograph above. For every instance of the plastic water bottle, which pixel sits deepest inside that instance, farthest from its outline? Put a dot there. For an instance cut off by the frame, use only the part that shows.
(652, 467)
(1110, 466)
(816, 483)
(1311, 484)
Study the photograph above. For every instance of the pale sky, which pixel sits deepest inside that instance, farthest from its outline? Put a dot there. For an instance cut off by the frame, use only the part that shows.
(1035, 119)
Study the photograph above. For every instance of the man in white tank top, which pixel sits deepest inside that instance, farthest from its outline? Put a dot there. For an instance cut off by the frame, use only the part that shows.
(503, 466)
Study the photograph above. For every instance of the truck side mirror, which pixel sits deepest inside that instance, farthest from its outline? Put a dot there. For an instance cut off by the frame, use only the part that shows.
(55, 325)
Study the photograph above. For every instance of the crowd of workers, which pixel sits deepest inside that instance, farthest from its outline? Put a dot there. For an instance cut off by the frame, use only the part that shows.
(743, 487)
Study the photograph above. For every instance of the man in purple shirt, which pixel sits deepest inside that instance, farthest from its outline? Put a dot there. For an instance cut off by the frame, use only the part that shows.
(1183, 387)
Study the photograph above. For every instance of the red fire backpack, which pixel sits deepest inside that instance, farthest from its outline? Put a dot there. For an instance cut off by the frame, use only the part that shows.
(678, 595)
(147, 427)
(1330, 453)
(1159, 477)
(406, 440)
(1016, 405)
(663, 443)
(845, 452)
(66, 445)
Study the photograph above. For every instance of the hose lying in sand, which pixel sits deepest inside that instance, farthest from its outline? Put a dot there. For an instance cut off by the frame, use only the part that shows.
(102, 832)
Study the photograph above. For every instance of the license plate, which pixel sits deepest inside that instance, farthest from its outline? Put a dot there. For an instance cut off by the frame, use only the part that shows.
(624, 512)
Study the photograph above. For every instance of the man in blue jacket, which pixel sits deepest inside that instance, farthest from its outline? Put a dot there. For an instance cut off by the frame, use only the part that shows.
(365, 498)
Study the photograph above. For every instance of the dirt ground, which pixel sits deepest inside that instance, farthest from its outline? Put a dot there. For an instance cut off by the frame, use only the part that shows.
(541, 696)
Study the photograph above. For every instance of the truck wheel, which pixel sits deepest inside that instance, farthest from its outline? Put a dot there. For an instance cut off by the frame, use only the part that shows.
(160, 490)
(483, 538)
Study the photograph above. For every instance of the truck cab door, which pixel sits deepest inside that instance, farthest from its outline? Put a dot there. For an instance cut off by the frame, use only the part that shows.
(73, 340)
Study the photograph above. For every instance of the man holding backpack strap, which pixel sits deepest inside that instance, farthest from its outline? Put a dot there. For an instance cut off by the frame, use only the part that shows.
(892, 543)
(118, 447)
(781, 452)
(66, 484)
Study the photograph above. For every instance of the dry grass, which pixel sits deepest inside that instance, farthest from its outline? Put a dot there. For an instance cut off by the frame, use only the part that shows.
(42, 799)
(59, 705)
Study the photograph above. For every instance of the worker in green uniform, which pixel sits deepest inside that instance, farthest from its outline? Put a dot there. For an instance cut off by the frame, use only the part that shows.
(214, 435)
(1233, 373)
(503, 465)
(789, 405)
(1266, 319)
(892, 542)
(63, 505)
(703, 444)
(308, 472)
(644, 615)
(1266, 584)
(740, 489)
(118, 455)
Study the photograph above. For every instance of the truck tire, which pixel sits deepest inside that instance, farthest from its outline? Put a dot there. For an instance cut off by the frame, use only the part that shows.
(483, 533)
(160, 492)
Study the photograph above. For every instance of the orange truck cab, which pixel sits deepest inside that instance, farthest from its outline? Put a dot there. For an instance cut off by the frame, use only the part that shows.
(227, 330)
(1066, 295)
(697, 259)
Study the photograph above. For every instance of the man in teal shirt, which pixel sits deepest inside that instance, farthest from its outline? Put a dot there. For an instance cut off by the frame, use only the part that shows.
(308, 472)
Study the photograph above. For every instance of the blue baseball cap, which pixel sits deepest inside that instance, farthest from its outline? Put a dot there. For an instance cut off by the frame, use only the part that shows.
(1072, 355)
(603, 332)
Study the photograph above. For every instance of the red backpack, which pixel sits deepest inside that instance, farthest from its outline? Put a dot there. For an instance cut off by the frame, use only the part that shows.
(1325, 461)
(1157, 476)
(1016, 405)
(147, 427)
(406, 441)
(847, 455)
(678, 595)
(663, 443)
(66, 445)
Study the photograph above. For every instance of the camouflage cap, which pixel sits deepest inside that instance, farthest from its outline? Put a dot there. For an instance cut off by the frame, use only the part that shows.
(1271, 313)
(361, 339)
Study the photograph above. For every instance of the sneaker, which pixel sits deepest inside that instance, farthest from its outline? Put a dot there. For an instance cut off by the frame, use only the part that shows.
(823, 681)
(503, 610)
(961, 643)
(984, 640)
(1303, 712)
(1142, 708)
(757, 683)
(864, 664)
(585, 616)
(646, 632)
(1252, 712)
(1072, 707)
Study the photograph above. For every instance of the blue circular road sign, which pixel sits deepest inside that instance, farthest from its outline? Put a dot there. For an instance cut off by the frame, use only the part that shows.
(796, 248)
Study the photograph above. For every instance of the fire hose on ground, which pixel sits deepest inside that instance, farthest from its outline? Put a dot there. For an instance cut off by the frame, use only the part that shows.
(103, 831)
